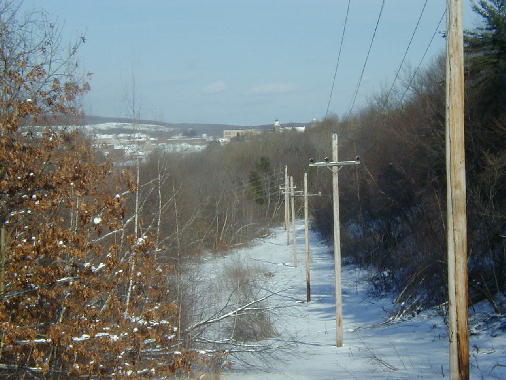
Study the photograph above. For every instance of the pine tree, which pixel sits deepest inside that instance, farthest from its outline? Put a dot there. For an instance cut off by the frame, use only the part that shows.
(486, 57)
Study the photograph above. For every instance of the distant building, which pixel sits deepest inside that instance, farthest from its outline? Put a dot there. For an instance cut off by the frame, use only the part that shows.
(229, 134)
(278, 128)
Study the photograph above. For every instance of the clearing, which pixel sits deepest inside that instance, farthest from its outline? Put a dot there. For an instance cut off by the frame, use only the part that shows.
(416, 348)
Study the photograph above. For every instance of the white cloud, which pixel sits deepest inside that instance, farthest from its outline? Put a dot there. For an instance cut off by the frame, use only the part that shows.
(272, 88)
(215, 87)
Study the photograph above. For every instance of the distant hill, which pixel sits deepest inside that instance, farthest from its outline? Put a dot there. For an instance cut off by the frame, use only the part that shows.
(90, 119)
(188, 129)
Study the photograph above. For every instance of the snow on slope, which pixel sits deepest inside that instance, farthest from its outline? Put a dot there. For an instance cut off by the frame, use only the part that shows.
(140, 139)
(410, 349)
(139, 127)
(136, 139)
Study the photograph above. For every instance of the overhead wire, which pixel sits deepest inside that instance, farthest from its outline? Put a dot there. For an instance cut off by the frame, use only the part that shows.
(366, 59)
(423, 56)
(271, 182)
(274, 186)
(407, 49)
(338, 58)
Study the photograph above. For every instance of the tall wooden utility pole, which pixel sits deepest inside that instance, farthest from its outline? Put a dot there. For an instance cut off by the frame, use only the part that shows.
(337, 242)
(286, 201)
(306, 242)
(294, 238)
(306, 239)
(305, 194)
(456, 195)
(289, 191)
(287, 206)
(335, 165)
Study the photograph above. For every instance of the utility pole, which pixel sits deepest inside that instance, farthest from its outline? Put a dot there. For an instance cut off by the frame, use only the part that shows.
(306, 235)
(456, 195)
(336, 165)
(294, 238)
(306, 242)
(306, 239)
(286, 201)
(287, 193)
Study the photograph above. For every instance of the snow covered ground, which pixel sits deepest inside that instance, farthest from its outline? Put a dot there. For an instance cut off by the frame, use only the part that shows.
(411, 349)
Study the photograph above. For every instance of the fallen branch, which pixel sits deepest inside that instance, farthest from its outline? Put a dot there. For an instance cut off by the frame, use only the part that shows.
(229, 314)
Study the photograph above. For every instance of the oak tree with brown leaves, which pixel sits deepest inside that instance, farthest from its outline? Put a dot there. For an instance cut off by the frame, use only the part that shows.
(66, 261)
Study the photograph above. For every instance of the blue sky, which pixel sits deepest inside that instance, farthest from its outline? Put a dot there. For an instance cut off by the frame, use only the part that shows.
(240, 61)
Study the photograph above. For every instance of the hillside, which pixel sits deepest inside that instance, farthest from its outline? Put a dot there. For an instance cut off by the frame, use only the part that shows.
(210, 129)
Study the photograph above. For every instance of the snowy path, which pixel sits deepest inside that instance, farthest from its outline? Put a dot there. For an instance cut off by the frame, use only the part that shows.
(414, 349)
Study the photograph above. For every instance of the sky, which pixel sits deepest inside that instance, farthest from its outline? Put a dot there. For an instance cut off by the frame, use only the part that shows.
(243, 62)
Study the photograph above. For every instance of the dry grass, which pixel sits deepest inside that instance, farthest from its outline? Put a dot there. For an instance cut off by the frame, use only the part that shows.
(246, 281)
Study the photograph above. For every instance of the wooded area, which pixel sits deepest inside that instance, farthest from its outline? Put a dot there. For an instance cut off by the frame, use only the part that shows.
(97, 259)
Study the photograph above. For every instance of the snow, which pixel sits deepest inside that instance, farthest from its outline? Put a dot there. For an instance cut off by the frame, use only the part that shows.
(98, 267)
(97, 220)
(415, 348)
(81, 338)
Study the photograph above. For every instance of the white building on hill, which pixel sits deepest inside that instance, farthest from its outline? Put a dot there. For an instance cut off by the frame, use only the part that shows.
(279, 128)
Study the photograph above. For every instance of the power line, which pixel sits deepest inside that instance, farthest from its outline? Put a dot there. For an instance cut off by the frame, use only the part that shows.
(246, 186)
(273, 183)
(423, 57)
(366, 59)
(338, 58)
(407, 49)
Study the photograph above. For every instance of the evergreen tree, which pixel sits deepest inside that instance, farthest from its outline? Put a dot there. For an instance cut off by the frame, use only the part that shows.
(486, 57)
